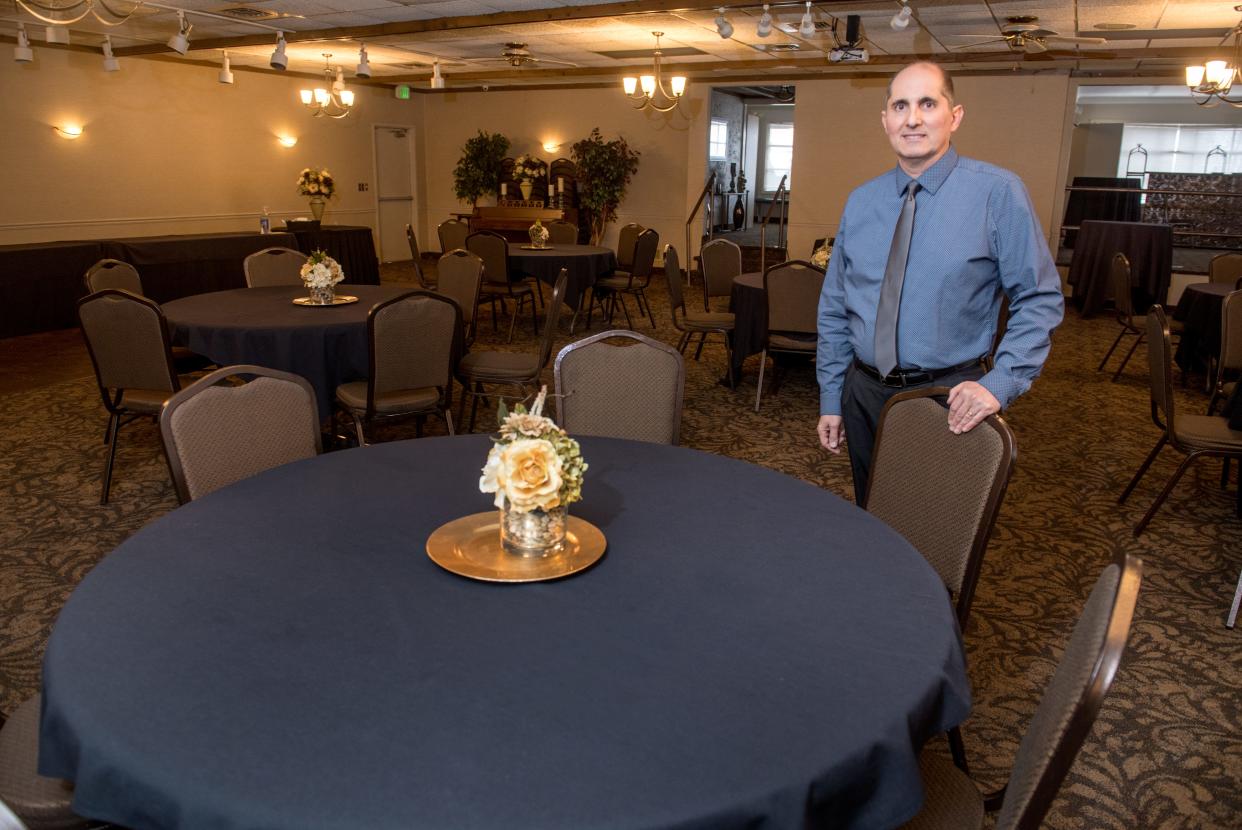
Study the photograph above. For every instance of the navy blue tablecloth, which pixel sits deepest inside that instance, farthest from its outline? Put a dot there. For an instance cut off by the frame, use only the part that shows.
(583, 264)
(283, 654)
(1148, 247)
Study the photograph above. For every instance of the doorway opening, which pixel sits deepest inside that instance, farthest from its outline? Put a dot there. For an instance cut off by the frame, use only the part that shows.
(394, 191)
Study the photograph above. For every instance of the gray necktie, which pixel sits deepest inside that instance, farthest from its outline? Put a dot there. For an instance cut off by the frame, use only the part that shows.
(890, 292)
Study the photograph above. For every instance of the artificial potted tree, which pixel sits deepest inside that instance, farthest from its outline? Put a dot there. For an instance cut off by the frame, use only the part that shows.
(604, 169)
(478, 170)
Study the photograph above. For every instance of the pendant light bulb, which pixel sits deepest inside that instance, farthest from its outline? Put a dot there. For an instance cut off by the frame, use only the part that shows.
(807, 27)
(765, 23)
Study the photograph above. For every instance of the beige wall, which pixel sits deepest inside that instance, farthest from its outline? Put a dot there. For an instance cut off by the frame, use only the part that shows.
(168, 149)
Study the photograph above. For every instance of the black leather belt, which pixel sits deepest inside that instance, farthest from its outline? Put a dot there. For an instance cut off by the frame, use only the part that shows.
(902, 378)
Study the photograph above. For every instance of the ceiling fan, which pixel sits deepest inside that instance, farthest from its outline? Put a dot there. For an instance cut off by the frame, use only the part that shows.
(516, 54)
(1024, 34)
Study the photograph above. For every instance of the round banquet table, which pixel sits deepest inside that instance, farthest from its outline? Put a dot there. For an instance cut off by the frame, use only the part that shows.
(582, 262)
(749, 304)
(327, 346)
(283, 654)
(1199, 312)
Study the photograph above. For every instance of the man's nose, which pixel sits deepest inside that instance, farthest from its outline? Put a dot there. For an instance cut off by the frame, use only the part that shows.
(914, 117)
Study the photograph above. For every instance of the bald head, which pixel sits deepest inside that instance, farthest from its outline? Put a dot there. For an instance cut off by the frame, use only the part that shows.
(946, 80)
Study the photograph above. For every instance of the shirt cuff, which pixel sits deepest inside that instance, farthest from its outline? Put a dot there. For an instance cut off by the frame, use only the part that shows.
(830, 403)
(1005, 388)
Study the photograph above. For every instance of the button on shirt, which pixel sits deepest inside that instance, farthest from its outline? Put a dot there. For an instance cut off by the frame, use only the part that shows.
(975, 235)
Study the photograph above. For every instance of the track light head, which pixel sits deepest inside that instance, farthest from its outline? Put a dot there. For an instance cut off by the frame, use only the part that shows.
(279, 59)
(226, 72)
(110, 63)
(437, 80)
(22, 53)
(806, 28)
(723, 27)
(765, 23)
(364, 65)
(902, 19)
(180, 42)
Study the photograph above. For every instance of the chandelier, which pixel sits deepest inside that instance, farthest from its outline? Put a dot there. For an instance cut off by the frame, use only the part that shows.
(333, 99)
(1214, 81)
(73, 11)
(649, 91)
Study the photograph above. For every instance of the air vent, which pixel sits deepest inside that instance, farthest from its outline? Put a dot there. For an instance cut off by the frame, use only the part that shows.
(248, 13)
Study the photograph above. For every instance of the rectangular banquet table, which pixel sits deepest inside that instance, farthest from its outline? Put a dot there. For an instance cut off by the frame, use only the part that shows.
(41, 283)
(351, 245)
(1149, 249)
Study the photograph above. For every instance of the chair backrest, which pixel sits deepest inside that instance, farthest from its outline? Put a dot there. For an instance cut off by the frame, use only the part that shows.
(1230, 335)
(127, 337)
(627, 237)
(274, 266)
(217, 431)
(1123, 289)
(9, 819)
(563, 233)
(1073, 697)
(722, 261)
(492, 248)
(1225, 268)
(672, 271)
(644, 257)
(631, 391)
(460, 273)
(915, 453)
(552, 318)
(416, 256)
(452, 234)
(793, 290)
(1159, 365)
(413, 340)
(112, 273)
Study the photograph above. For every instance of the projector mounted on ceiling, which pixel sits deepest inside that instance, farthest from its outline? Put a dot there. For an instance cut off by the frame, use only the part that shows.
(852, 50)
(849, 54)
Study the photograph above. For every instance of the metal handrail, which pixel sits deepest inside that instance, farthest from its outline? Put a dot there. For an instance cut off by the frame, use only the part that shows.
(782, 194)
(707, 190)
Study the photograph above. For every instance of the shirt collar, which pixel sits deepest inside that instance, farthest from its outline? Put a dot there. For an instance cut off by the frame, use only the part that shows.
(932, 177)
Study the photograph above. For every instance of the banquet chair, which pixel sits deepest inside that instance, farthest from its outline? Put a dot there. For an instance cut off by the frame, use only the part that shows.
(1194, 435)
(1230, 360)
(720, 261)
(460, 274)
(32, 800)
(612, 289)
(562, 233)
(631, 391)
(793, 290)
(1123, 307)
(497, 285)
(691, 323)
(1226, 268)
(112, 273)
(274, 266)
(414, 341)
(219, 430)
(417, 257)
(520, 370)
(1061, 723)
(452, 234)
(127, 338)
(627, 238)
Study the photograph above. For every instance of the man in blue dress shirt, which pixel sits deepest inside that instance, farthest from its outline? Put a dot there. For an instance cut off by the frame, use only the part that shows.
(974, 236)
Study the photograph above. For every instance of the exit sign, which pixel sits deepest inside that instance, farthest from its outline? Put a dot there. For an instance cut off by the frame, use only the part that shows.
(402, 92)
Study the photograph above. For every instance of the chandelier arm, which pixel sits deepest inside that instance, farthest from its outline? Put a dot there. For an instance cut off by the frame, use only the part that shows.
(51, 7)
(120, 18)
(55, 21)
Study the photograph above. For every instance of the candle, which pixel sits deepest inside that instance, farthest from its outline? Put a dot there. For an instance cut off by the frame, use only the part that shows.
(560, 184)
(504, 190)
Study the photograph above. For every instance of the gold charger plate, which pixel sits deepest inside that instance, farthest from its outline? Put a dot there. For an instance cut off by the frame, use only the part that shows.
(537, 248)
(470, 547)
(340, 299)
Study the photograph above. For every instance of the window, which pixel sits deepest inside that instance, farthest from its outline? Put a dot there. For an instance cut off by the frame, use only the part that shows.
(777, 156)
(718, 140)
(1183, 148)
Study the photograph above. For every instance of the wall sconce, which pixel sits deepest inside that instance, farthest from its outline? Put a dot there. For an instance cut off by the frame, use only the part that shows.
(287, 140)
(69, 131)
(551, 146)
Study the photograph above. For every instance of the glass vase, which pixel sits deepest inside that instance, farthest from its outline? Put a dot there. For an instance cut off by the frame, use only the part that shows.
(535, 533)
(526, 186)
(316, 206)
(322, 295)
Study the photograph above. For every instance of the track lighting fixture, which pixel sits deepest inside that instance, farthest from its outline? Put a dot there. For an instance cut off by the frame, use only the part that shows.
(807, 27)
(437, 80)
(279, 59)
(180, 42)
(364, 65)
(226, 72)
(723, 27)
(765, 23)
(22, 53)
(902, 19)
(111, 64)
(56, 34)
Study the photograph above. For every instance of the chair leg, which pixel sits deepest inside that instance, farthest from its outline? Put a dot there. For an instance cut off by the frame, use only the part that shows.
(517, 308)
(729, 360)
(642, 295)
(1151, 456)
(1164, 494)
(114, 427)
(1109, 353)
(702, 339)
(534, 319)
(629, 324)
(763, 364)
(1224, 473)
(1237, 599)
(1138, 341)
(474, 404)
(958, 749)
(362, 441)
(683, 342)
(447, 412)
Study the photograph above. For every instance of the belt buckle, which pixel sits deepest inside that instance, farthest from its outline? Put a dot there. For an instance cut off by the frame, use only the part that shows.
(895, 379)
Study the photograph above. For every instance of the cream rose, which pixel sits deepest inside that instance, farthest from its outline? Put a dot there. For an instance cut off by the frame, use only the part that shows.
(527, 473)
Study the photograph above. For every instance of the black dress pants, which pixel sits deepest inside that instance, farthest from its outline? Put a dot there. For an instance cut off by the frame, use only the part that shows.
(862, 400)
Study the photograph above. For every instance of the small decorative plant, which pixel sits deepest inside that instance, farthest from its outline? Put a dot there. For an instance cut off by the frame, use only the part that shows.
(604, 169)
(478, 171)
(313, 182)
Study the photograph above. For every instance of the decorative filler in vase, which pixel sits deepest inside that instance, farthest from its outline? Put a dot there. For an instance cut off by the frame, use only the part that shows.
(821, 256)
(535, 469)
(741, 182)
(526, 169)
(320, 275)
(538, 235)
(319, 186)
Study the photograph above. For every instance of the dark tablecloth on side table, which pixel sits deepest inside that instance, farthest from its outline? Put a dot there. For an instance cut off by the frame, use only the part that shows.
(749, 304)
(1199, 312)
(41, 283)
(1149, 249)
(582, 262)
(185, 264)
(351, 245)
(283, 654)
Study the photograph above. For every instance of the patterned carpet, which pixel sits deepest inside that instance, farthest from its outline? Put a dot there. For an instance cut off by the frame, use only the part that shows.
(1166, 751)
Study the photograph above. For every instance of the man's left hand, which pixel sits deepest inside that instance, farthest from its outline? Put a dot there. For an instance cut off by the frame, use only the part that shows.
(969, 404)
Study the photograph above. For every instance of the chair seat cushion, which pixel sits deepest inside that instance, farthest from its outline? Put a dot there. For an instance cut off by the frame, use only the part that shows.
(708, 320)
(1208, 431)
(484, 366)
(40, 802)
(490, 289)
(613, 283)
(148, 401)
(353, 396)
(951, 802)
(791, 341)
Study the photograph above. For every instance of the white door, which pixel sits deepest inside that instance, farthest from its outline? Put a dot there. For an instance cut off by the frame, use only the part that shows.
(394, 191)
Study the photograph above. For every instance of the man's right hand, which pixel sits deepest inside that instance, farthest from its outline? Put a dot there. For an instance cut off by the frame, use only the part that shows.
(831, 429)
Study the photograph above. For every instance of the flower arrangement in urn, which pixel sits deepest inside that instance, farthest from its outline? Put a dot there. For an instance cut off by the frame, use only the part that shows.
(536, 470)
(320, 275)
(318, 185)
(526, 169)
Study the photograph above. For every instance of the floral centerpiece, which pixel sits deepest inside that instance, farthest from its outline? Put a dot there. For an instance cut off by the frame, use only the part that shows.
(320, 275)
(319, 186)
(535, 469)
(538, 235)
(821, 256)
(526, 169)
